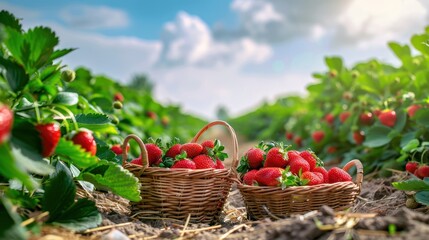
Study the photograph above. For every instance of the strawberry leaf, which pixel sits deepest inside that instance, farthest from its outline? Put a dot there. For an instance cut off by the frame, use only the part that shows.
(74, 154)
(10, 227)
(96, 122)
(411, 185)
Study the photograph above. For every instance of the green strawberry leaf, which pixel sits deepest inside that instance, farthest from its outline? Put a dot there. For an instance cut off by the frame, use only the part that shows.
(10, 227)
(15, 74)
(67, 98)
(112, 177)
(80, 216)
(96, 122)
(9, 20)
(60, 53)
(411, 185)
(74, 154)
(422, 197)
(377, 136)
(243, 166)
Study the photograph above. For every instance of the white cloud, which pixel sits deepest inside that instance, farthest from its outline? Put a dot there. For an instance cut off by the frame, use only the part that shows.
(188, 41)
(94, 17)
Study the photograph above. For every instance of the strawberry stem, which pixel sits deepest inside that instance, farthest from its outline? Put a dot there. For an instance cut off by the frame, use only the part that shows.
(36, 109)
(71, 115)
(62, 117)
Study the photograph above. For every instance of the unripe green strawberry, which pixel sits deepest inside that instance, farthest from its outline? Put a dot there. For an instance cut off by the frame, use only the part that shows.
(323, 171)
(85, 139)
(336, 174)
(249, 177)
(255, 157)
(114, 119)
(276, 157)
(387, 117)
(6, 122)
(192, 149)
(270, 176)
(50, 134)
(203, 162)
(184, 163)
(154, 153)
(68, 75)
(117, 105)
(312, 178)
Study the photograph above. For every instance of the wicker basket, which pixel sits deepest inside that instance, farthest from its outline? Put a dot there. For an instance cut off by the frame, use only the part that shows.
(273, 202)
(177, 193)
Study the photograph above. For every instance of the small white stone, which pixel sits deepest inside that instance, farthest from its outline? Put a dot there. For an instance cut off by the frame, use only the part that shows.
(115, 235)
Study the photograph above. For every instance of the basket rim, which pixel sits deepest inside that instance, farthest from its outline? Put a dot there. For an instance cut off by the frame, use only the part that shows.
(144, 155)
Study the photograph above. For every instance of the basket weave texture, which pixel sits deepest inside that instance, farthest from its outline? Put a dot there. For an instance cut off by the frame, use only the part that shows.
(177, 193)
(275, 202)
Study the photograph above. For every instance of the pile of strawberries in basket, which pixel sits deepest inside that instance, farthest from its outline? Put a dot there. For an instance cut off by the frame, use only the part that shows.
(273, 164)
(208, 154)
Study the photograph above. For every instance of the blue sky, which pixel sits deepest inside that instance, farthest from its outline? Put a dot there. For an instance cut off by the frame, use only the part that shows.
(203, 54)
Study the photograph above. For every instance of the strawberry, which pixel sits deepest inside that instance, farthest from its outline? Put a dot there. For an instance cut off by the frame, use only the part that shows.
(366, 118)
(165, 120)
(422, 171)
(118, 97)
(117, 149)
(270, 176)
(359, 137)
(85, 139)
(336, 174)
(137, 161)
(219, 164)
(207, 145)
(310, 157)
(50, 134)
(298, 141)
(192, 149)
(329, 118)
(344, 116)
(387, 117)
(318, 136)
(411, 110)
(173, 151)
(331, 149)
(411, 167)
(324, 173)
(297, 165)
(255, 157)
(6, 122)
(184, 163)
(376, 112)
(320, 175)
(292, 154)
(289, 136)
(347, 96)
(312, 178)
(152, 115)
(249, 177)
(154, 153)
(203, 161)
(276, 157)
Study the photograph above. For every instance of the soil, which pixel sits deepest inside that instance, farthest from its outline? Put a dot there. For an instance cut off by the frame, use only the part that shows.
(379, 213)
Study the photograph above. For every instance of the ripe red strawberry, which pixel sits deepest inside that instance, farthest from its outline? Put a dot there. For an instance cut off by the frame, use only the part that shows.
(312, 178)
(320, 175)
(6, 122)
(255, 157)
(192, 149)
(344, 116)
(366, 118)
(249, 177)
(219, 164)
(85, 139)
(359, 137)
(310, 157)
(152, 115)
(137, 161)
(299, 164)
(329, 118)
(376, 112)
(298, 141)
(118, 97)
(387, 117)
(117, 149)
(422, 171)
(173, 151)
(331, 149)
(318, 135)
(276, 158)
(270, 176)
(336, 174)
(411, 167)
(411, 110)
(184, 163)
(203, 161)
(289, 136)
(208, 144)
(154, 153)
(323, 171)
(50, 134)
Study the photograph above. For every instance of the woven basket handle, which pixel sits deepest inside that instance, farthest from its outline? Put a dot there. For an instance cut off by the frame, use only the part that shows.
(359, 170)
(143, 151)
(233, 136)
